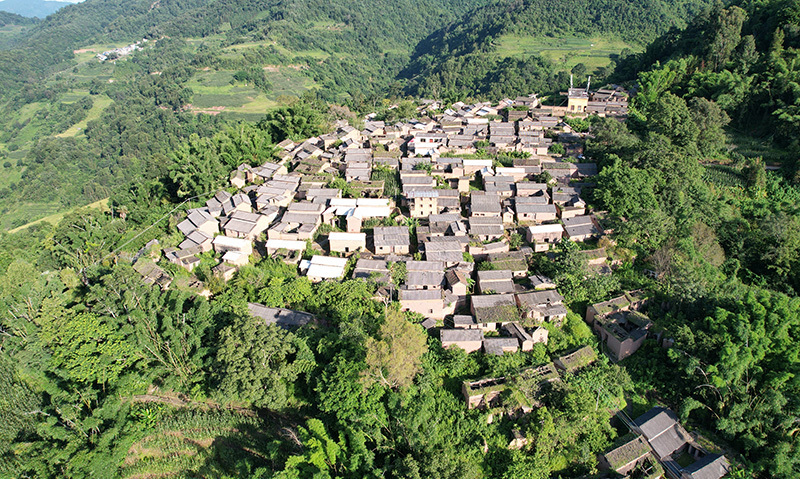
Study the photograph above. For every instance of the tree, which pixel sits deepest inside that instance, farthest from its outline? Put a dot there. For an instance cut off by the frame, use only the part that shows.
(395, 357)
(86, 349)
(259, 363)
(711, 121)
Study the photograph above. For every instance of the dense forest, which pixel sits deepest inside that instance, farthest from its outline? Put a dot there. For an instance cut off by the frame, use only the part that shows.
(102, 375)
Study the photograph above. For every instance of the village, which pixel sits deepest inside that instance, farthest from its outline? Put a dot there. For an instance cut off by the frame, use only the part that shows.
(429, 213)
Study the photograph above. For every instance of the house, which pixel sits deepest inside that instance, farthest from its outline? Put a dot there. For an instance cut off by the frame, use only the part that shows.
(486, 228)
(391, 240)
(449, 251)
(623, 332)
(347, 242)
(543, 236)
(576, 360)
(223, 244)
(629, 301)
(628, 456)
(669, 440)
(320, 268)
(709, 466)
(369, 269)
(493, 310)
(284, 318)
(513, 261)
(577, 100)
(541, 283)
(497, 281)
(483, 393)
(199, 239)
(464, 321)
(581, 228)
(424, 279)
(661, 429)
(185, 258)
(427, 302)
(501, 345)
(542, 306)
(423, 202)
(467, 339)
(526, 340)
(243, 224)
(427, 143)
(199, 219)
(530, 212)
(483, 204)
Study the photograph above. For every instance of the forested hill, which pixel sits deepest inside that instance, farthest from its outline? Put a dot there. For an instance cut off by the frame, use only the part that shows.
(744, 57)
(469, 56)
(336, 26)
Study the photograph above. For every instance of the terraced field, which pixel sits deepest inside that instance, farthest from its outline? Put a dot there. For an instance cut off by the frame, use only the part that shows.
(566, 52)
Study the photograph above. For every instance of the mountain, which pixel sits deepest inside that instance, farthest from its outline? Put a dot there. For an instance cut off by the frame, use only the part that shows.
(510, 45)
(32, 8)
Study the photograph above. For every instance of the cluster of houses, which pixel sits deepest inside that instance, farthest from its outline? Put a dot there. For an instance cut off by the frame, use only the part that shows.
(658, 445)
(461, 210)
(121, 52)
(440, 244)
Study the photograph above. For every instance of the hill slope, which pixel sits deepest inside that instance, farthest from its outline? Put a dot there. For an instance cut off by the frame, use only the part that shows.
(472, 56)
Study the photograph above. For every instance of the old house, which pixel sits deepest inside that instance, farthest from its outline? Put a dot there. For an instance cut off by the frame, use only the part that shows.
(199, 239)
(284, 318)
(483, 204)
(448, 251)
(391, 240)
(623, 332)
(495, 281)
(199, 219)
(427, 302)
(526, 339)
(494, 310)
(513, 261)
(582, 228)
(544, 236)
(223, 244)
(628, 456)
(486, 228)
(320, 268)
(347, 242)
(576, 360)
(467, 339)
(243, 224)
(542, 306)
(421, 279)
(500, 345)
(530, 212)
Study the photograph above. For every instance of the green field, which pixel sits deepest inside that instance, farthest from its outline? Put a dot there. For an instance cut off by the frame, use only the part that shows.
(51, 210)
(565, 52)
(213, 89)
(101, 102)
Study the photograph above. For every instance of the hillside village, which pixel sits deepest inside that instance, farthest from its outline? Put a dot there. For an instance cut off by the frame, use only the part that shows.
(429, 214)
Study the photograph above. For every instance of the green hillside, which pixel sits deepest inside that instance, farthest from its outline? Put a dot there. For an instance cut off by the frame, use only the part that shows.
(507, 46)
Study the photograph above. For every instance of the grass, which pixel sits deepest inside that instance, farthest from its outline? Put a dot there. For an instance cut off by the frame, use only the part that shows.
(100, 103)
(753, 147)
(53, 217)
(10, 175)
(214, 89)
(594, 52)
